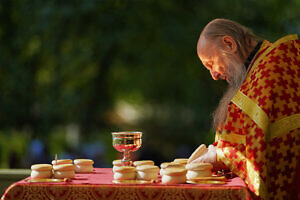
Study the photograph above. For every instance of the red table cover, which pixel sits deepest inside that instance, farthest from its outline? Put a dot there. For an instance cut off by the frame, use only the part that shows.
(98, 185)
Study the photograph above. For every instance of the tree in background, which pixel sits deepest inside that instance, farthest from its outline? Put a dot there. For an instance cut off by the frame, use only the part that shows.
(71, 73)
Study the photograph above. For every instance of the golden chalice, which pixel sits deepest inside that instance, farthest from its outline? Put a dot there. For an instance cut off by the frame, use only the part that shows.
(126, 142)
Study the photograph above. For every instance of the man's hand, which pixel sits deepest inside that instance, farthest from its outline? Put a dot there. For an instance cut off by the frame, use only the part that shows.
(209, 156)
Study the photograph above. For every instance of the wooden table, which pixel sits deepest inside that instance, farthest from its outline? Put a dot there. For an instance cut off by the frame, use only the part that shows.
(98, 185)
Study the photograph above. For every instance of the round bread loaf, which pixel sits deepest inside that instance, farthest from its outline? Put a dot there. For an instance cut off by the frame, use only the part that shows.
(173, 171)
(143, 162)
(41, 167)
(181, 160)
(83, 162)
(169, 179)
(41, 174)
(199, 166)
(64, 174)
(124, 175)
(171, 165)
(147, 172)
(191, 174)
(61, 161)
(84, 168)
(147, 168)
(41, 171)
(148, 176)
(117, 163)
(83, 165)
(64, 167)
(64, 171)
(123, 169)
(120, 163)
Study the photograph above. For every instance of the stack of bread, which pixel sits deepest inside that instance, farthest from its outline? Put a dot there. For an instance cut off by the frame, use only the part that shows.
(147, 172)
(168, 165)
(140, 170)
(62, 168)
(173, 175)
(64, 171)
(41, 171)
(83, 165)
(198, 171)
(173, 172)
(124, 172)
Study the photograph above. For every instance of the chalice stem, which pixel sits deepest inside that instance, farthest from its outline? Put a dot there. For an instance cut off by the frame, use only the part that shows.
(126, 158)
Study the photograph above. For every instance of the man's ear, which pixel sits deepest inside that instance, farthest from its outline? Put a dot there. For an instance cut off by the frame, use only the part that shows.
(229, 43)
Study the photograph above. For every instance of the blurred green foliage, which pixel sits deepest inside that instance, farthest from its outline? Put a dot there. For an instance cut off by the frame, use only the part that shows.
(113, 65)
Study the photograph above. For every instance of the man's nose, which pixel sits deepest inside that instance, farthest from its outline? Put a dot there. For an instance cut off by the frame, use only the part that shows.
(215, 75)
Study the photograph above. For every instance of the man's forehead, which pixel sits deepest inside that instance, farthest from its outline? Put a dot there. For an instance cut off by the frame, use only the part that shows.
(202, 42)
(204, 48)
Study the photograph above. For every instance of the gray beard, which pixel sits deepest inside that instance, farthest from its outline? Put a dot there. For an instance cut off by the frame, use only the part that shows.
(236, 72)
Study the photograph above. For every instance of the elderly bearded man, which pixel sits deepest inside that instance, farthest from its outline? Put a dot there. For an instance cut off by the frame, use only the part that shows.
(258, 119)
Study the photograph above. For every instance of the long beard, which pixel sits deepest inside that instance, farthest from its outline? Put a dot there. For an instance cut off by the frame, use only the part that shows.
(236, 72)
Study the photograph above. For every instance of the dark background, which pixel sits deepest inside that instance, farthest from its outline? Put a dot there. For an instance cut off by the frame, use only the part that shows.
(72, 72)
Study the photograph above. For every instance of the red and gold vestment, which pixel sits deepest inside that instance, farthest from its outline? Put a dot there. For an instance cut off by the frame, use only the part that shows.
(260, 140)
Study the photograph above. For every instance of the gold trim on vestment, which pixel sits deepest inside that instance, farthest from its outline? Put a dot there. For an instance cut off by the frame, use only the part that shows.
(257, 114)
(248, 106)
(285, 39)
(283, 126)
(251, 109)
(231, 137)
(257, 182)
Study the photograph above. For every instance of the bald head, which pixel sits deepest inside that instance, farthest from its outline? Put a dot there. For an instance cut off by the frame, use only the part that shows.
(217, 29)
(221, 40)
